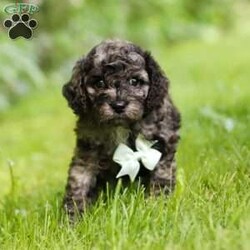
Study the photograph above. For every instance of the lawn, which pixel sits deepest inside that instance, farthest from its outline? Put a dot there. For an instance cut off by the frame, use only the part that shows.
(210, 208)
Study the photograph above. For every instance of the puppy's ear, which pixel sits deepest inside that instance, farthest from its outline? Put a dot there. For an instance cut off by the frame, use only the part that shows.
(74, 90)
(158, 83)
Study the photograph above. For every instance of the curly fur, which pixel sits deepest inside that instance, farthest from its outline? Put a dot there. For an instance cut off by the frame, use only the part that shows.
(118, 91)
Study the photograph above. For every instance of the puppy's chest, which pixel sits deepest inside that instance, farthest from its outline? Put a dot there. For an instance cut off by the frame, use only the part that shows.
(109, 143)
(120, 135)
(107, 149)
(105, 141)
(97, 146)
(116, 136)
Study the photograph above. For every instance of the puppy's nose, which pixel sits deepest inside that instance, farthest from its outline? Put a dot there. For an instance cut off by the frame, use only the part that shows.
(118, 106)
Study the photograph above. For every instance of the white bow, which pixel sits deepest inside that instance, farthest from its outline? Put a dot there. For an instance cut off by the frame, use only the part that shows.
(129, 160)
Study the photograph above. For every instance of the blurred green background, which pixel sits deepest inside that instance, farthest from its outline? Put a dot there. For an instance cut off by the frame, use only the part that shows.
(68, 29)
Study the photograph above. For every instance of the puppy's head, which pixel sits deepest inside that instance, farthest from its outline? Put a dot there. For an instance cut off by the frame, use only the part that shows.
(116, 83)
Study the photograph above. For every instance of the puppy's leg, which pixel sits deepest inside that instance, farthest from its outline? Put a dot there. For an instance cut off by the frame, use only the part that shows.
(163, 178)
(81, 187)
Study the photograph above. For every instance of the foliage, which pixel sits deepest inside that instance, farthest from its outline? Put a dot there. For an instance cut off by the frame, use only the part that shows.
(19, 71)
(149, 23)
(68, 29)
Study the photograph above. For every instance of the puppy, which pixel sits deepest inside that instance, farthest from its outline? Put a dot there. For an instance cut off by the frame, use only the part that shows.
(118, 92)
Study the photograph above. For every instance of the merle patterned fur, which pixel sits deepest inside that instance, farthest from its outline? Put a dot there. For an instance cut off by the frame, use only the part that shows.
(118, 91)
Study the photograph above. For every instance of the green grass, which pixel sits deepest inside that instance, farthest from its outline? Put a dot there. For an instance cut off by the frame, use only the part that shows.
(210, 208)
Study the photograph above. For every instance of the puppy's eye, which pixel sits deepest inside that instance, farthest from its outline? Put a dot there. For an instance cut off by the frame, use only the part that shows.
(100, 84)
(134, 82)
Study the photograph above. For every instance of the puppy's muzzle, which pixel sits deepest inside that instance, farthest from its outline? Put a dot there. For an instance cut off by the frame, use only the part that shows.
(119, 106)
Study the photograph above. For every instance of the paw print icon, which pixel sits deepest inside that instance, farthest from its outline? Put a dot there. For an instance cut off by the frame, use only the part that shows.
(20, 26)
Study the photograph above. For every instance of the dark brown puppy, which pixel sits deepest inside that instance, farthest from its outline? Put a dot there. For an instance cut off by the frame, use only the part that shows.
(118, 91)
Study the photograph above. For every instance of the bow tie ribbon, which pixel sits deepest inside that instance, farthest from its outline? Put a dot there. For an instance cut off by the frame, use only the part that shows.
(129, 159)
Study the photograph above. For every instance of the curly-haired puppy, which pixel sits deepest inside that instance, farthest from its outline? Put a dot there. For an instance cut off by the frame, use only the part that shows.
(118, 91)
